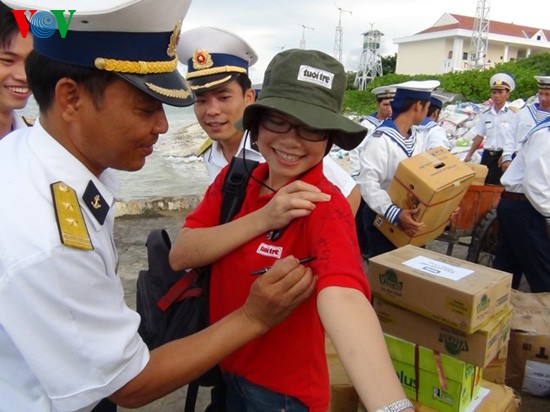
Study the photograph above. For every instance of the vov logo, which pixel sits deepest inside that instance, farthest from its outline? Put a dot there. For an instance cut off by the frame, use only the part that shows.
(43, 24)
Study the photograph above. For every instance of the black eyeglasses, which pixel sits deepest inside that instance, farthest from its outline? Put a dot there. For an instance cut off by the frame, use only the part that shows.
(278, 125)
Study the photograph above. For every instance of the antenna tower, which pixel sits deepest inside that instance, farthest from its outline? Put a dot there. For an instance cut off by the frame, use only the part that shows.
(303, 40)
(480, 35)
(338, 44)
(370, 63)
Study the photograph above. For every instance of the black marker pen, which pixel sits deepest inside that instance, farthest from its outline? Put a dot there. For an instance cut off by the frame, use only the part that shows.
(262, 271)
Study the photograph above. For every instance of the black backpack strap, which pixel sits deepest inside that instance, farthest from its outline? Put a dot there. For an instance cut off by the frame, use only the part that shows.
(191, 398)
(234, 187)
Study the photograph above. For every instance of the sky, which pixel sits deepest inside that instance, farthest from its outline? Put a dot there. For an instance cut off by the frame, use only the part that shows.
(270, 26)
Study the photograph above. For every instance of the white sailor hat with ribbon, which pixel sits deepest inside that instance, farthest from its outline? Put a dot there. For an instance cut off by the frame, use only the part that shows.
(438, 100)
(136, 39)
(543, 82)
(502, 81)
(214, 56)
(412, 89)
(384, 92)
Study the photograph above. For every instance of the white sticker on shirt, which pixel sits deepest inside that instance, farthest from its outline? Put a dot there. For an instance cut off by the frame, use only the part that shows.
(270, 250)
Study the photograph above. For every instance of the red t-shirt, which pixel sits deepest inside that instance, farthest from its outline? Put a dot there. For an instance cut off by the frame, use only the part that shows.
(290, 358)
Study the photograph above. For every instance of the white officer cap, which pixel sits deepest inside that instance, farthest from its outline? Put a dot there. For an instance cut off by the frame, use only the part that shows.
(543, 82)
(136, 39)
(214, 56)
(502, 81)
(384, 92)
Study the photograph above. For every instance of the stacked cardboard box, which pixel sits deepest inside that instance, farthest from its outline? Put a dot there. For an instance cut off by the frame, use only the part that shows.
(528, 363)
(455, 309)
(435, 181)
(452, 291)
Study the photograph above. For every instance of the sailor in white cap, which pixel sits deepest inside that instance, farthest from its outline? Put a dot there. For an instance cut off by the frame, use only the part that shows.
(431, 133)
(523, 244)
(384, 96)
(391, 142)
(217, 69)
(494, 127)
(527, 118)
(67, 338)
(217, 62)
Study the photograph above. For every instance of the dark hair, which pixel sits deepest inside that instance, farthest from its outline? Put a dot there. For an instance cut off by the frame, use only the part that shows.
(8, 26)
(432, 109)
(44, 73)
(244, 81)
(407, 104)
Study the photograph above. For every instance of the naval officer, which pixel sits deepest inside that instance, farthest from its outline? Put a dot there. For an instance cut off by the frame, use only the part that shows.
(67, 338)
(494, 127)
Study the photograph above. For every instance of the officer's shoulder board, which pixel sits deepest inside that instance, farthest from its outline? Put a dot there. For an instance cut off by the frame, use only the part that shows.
(513, 108)
(204, 146)
(28, 121)
(377, 133)
(70, 222)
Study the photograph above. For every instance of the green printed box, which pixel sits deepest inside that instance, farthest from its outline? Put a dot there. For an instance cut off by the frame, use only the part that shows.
(449, 387)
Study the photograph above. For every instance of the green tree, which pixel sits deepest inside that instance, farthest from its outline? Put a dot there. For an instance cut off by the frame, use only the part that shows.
(389, 63)
(473, 85)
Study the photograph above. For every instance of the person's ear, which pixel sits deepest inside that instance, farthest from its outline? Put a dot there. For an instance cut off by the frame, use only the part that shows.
(68, 96)
(249, 96)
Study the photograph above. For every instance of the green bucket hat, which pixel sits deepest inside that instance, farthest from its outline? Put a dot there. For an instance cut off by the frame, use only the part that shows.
(309, 86)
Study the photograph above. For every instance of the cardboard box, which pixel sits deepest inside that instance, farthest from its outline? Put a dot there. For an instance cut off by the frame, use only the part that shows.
(480, 171)
(435, 380)
(460, 294)
(528, 363)
(479, 348)
(435, 181)
(495, 371)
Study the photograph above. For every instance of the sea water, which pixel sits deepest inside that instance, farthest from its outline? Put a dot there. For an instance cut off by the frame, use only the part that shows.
(169, 171)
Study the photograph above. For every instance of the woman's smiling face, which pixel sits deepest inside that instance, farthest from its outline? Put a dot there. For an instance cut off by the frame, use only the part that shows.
(289, 147)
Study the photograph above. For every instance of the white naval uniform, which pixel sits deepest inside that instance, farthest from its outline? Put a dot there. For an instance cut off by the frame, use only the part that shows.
(432, 135)
(524, 121)
(384, 149)
(215, 161)
(67, 338)
(529, 173)
(370, 122)
(523, 244)
(497, 128)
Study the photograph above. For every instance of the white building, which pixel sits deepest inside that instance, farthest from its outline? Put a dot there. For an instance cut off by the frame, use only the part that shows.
(444, 47)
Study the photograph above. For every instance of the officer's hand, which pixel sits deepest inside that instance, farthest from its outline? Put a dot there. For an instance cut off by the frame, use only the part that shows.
(292, 201)
(275, 294)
